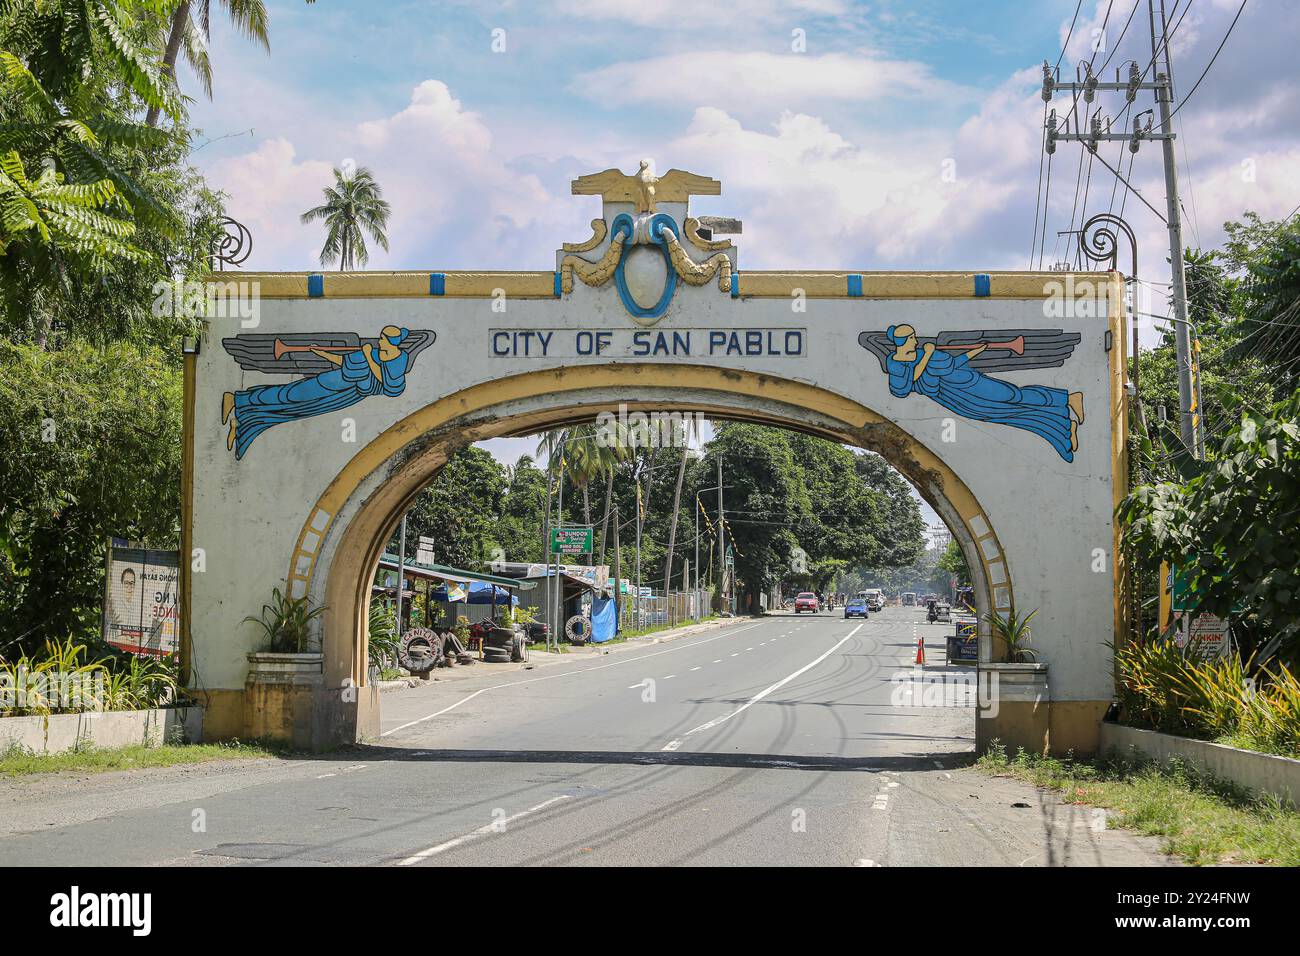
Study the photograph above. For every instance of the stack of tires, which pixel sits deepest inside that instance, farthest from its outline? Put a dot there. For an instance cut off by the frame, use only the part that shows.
(500, 646)
(421, 650)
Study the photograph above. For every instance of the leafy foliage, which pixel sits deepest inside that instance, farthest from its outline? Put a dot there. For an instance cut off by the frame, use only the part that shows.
(354, 207)
(953, 562)
(1239, 518)
(1168, 688)
(383, 645)
(286, 622)
(92, 450)
(63, 677)
(1011, 632)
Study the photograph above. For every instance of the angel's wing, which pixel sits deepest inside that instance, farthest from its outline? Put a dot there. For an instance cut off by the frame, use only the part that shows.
(677, 185)
(255, 351)
(1043, 348)
(613, 184)
(417, 340)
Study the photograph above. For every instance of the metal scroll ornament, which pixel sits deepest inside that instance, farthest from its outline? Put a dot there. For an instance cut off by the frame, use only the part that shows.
(1099, 241)
(232, 246)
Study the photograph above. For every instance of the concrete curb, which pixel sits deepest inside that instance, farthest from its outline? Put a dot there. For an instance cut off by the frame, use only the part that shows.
(58, 733)
(1265, 773)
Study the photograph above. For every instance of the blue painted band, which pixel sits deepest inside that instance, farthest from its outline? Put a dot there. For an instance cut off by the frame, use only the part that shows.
(855, 284)
(316, 285)
(981, 284)
(735, 285)
(437, 283)
(559, 289)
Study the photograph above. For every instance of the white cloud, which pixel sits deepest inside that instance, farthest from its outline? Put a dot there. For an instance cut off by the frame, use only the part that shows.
(768, 81)
(456, 201)
(692, 14)
(269, 188)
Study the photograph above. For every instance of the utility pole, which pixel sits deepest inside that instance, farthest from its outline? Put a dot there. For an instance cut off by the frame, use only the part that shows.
(618, 579)
(556, 608)
(1162, 87)
(696, 525)
(401, 574)
(722, 546)
(1187, 397)
(639, 516)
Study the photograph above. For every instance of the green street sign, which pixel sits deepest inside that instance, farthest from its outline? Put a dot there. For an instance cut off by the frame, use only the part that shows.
(1184, 598)
(572, 540)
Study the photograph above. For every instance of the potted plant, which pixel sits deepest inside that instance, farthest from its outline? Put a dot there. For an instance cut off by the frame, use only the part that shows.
(286, 624)
(286, 677)
(1014, 632)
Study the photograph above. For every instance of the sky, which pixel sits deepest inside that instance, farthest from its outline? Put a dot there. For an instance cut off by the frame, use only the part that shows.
(866, 136)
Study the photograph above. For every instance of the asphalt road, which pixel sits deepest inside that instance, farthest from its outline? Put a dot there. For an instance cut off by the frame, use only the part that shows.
(791, 740)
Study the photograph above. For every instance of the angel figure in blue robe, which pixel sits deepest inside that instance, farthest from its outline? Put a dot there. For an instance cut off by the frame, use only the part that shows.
(1052, 413)
(378, 369)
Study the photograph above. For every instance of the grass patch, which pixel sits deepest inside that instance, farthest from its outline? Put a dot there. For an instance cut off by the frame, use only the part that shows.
(1248, 741)
(18, 762)
(656, 628)
(1203, 820)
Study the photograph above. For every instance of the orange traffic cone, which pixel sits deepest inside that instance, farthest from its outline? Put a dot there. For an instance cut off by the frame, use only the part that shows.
(920, 650)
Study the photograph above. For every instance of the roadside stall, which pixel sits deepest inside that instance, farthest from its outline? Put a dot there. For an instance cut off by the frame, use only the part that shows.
(582, 592)
(432, 599)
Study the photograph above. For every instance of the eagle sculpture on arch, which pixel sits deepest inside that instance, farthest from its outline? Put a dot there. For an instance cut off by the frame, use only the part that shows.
(644, 188)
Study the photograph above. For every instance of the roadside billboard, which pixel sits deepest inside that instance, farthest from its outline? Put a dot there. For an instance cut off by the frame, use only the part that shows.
(141, 599)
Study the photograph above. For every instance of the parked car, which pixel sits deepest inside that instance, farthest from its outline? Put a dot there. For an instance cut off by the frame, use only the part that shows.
(855, 608)
(806, 601)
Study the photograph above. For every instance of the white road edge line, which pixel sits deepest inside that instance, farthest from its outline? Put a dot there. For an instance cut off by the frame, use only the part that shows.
(674, 744)
(493, 827)
(533, 680)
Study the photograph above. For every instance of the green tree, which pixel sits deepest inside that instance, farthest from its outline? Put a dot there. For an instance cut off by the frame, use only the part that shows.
(97, 208)
(92, 441)
(789, 490)
(1235, 525)
(354, 208)
(953, 562)
(461, 510)
(189, 28)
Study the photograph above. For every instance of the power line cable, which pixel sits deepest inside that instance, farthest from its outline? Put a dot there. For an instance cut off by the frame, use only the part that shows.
(1211, 63)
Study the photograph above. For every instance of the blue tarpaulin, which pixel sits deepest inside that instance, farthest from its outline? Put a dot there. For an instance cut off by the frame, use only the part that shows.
(604, 621)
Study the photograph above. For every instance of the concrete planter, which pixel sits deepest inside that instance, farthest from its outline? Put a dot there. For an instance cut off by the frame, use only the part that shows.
(271, 667)
(59, 733)
(280, 694)
(1263, 773)
(1014, 707)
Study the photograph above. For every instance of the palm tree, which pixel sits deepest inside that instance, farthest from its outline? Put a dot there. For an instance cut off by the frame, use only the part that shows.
(677, 433)
(586, 456)
(191, 26)
(353, 205)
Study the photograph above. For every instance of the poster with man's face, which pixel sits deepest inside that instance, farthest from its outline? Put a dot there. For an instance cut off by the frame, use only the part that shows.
(141, 603)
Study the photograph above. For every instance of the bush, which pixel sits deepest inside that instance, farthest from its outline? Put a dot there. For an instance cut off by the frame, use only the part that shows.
(65, 678)
(1167, 688)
